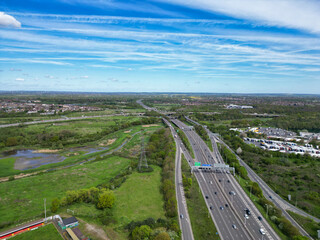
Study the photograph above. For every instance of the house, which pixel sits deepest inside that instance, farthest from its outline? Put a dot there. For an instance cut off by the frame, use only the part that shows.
(69, 223)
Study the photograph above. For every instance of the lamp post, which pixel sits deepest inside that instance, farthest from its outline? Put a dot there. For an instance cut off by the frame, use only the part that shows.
(45, 209)
(267, 209)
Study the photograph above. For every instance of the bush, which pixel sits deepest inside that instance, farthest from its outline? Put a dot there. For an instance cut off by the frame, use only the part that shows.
(106, 199)
(162, 236)
(55, 205)
(141, 233)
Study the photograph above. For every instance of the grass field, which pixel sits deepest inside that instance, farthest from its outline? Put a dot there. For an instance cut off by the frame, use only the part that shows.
(7, 167)
(308, 224)
(139, 198)
(48, 232)
(201, 222)
(23, 198)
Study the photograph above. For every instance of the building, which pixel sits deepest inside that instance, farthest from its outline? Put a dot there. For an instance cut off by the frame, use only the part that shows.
(69, 223)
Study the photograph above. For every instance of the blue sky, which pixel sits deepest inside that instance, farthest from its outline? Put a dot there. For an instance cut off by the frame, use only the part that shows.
(237, 46)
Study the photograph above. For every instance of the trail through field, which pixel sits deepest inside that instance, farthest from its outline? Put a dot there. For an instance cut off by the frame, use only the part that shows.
(96, 231)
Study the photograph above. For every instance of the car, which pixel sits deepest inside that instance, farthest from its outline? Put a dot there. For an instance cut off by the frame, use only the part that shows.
(210, 182)
(246, 216)
(221, 208)
(262, 231)
(260, 218)
(215, 192)
(181, 216)
(270, 197)
(228, 181)
(207, 197)
(211, 207)
(234, 226)
(247, 211)
(227, 205)
(219, 180)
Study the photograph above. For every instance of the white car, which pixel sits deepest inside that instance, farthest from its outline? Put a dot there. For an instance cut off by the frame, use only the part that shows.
(262, 231)
(246, 216)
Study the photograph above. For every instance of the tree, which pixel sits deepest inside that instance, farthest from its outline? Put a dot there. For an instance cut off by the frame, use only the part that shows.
(288, 229)
(141, 233)
(256, 190)
(106, 199)
(243, 172)
(55, 205)
(11, 141)
(162, 236)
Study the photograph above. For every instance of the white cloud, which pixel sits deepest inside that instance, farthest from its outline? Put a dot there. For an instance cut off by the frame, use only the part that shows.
(114, 79)
(15, 70)
(49, 76)
(298, 14)
(19, 79)
(8, 21)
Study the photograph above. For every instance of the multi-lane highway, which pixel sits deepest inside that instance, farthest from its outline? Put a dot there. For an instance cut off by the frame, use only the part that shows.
(228, 210)
(184, 220)
(268, 192)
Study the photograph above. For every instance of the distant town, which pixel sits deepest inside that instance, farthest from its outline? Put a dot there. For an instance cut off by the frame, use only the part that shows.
(35, 106)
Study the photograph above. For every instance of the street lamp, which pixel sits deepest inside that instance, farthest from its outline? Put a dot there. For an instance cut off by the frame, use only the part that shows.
(267, 209)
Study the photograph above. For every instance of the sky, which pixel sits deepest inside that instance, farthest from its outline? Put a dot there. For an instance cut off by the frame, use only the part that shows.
(212, 46)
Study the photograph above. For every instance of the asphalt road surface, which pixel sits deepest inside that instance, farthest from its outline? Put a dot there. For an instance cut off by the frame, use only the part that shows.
(217, 196)
(275, 198)
(184, 220)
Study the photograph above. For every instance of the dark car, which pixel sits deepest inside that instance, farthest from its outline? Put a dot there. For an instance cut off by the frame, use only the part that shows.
(270, 197)
(219, 180)
(207, 197)
(211, 207)
(228, 181)
(227, 205)
(260, 218)
(248, 211)
(215, 192)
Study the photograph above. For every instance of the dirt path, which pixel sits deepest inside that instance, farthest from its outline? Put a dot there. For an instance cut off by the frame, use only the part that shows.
(150, 125)
(96, 231)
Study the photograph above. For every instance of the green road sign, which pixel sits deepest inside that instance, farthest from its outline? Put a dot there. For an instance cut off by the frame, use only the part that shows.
(197, 163)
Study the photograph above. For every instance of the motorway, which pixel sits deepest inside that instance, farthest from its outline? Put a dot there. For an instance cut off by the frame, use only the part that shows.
(217, 187)
(184, 222)
(267, 192)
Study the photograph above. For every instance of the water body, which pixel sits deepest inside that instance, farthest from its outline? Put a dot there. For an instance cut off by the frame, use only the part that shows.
(28, 159)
